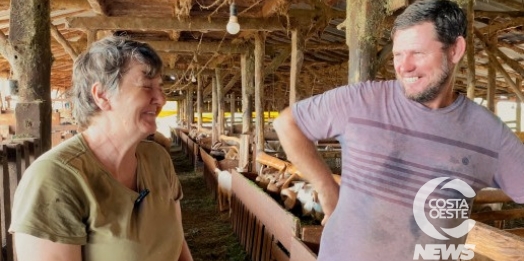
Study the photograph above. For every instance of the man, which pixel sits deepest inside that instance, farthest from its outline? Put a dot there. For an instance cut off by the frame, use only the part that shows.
(403, 141)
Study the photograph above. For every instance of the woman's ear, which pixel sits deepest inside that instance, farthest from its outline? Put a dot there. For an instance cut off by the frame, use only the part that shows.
(100, 97)
(458, 49)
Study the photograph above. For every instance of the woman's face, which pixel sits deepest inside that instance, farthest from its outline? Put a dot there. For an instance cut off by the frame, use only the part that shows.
(138, 101)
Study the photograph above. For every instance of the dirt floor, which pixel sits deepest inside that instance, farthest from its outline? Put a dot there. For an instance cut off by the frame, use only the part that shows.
(208, 233)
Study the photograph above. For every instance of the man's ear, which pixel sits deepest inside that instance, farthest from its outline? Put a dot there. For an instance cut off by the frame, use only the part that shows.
(100, 97)
(458, 49)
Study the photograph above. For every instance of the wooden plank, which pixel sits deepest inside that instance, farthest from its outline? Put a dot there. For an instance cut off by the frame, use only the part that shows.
(266, 245)
(278, 221)
(26, 150)
(250, 232)
(495, 243)
(311, 234)
(516, 231)
(7, 204)
(301, 252)
(498, 215)
(277, 253)
(491, 196)
(258, 241)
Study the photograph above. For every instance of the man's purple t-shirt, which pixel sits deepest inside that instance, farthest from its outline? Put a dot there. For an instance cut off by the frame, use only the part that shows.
(392, 146)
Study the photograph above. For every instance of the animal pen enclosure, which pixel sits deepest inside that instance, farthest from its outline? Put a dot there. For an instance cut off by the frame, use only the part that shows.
(15, 157)
(270, 232)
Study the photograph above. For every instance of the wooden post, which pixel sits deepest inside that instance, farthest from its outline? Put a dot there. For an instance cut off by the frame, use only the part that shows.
(91, 36)
(470, 51)
(199, 102)
(297, 59)
(190, 107)
(364, 18)
(232, 109)
(518, 107)
(247, 64)
(214, 103)
(259, 93)
(220, 99)
(492, 84)
(30, 39)
(182, 112)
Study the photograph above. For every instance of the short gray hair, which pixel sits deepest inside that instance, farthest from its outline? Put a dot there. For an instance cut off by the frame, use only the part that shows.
(105, 62)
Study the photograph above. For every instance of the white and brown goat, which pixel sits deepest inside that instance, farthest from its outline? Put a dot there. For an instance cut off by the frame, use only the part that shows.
(224, 190)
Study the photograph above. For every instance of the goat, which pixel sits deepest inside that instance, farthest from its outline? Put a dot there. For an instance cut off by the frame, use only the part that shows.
(224, 190)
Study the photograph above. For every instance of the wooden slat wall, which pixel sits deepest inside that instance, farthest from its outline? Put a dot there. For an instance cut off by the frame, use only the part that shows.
(15, 157)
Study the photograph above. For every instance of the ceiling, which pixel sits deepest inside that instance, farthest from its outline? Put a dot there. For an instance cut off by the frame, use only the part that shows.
(190, 36)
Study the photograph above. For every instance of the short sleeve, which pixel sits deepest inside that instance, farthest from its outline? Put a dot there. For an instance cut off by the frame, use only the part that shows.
(176, 186)
(325, 115)
(49, 204)
(510, 174)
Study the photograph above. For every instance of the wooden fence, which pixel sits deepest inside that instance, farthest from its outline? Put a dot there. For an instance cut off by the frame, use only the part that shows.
(15, 157)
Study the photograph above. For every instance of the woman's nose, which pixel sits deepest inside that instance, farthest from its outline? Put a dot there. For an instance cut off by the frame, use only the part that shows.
(160, 96)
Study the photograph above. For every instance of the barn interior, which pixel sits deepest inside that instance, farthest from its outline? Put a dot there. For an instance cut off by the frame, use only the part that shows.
(284, 51)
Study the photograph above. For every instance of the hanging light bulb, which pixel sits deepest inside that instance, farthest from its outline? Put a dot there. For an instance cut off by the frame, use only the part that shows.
(193, 78)
(232, 26)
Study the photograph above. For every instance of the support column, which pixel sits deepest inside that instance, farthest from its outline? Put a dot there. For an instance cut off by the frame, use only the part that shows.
(190, 107)
(518, 107)
(364, 18)
(199, 102)
(297, 59)
(260, 39)
(492, 84)
(247, 64)
(232, 111)
(214, 112)
(30, 38)
(220, 99)
(470, 51)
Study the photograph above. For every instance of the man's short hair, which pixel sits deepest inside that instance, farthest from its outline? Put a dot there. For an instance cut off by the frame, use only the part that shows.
(447, 17)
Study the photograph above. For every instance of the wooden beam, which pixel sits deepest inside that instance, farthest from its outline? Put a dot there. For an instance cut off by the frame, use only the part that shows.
(495, 243)
(495, 63)
(495, 14)
(493, 29)
(164, 23)
(98, 7)
(232, 82)
(62, 41)
(515, 65)
(5, 47)
(196, 47)
(470, 50)
(199, 102)
(214, 112)
(297, 59)
(260, 39)
(31, 43)
(220, 100)
(364, 19)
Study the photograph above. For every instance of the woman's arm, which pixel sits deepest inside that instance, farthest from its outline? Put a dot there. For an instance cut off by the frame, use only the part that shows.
(185, 255)
(30, 248)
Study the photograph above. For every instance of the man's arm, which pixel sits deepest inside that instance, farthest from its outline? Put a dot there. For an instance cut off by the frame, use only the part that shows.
(303, 154)
(30, 248)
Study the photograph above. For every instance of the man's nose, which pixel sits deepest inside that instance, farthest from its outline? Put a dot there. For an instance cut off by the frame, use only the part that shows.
(405, 63)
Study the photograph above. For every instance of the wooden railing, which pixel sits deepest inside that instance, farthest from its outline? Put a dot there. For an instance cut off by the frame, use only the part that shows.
(15, 157)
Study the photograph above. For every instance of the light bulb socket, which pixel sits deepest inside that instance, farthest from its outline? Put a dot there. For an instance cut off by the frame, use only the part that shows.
(232, 10)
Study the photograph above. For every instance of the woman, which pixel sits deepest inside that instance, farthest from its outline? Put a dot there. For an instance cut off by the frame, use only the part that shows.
(87, 199)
